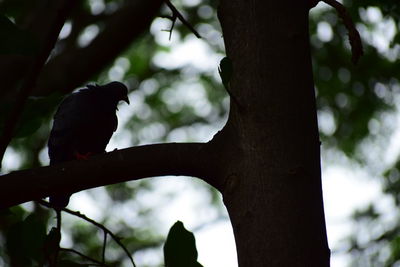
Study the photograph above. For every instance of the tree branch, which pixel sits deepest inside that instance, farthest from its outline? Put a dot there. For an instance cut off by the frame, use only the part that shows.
(69, 70)
(70, 250)
(30, 80)
(38, 22)
(177, 14)
(354, 35)
(191, 159)
(99, 225)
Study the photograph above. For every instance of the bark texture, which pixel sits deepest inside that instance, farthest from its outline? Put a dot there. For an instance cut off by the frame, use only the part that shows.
(273, 192)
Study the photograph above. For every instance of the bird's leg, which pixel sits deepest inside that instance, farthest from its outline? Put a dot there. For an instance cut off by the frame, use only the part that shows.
(85, 156)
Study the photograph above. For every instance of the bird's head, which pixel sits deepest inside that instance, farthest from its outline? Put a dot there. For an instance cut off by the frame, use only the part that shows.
(118, 91)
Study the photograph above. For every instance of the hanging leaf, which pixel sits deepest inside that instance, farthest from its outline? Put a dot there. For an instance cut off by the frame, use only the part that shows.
(52, 244)
(180, 248)
(225, 71)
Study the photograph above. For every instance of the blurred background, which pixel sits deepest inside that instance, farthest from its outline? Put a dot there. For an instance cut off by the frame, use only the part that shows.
(176, 96)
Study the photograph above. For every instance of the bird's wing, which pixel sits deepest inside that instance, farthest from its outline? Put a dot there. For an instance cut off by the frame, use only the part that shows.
(71, 115)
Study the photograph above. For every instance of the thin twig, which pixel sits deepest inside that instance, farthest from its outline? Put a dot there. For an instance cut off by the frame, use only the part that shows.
(99, 225)
(354, 35)
(173, 19)
(31, 77)
(172, 26)
(83, 256)
(181, 18)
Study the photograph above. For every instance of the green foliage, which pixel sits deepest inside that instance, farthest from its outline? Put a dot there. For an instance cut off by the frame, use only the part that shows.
(369, 213)
(37, 111)
(355, 96)
(180, 247)
(25, 241)
(348, 91)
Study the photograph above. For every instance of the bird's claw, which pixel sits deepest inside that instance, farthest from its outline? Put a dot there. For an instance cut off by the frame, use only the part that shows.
(85, 156)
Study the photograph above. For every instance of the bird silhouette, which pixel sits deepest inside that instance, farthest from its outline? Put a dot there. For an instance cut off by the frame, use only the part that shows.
(83, 125)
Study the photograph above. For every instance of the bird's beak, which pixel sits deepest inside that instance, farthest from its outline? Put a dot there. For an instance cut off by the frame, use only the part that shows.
(126, 99)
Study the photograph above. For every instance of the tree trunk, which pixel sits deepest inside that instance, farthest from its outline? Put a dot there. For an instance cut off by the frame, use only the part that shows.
(272, 186)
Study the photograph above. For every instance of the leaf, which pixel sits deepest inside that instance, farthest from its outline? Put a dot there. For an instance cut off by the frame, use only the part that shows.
(12, 215)
(25, 241)
(225, 71)
(180, 247)
(15, 40)
(34, 234)
(52, 243)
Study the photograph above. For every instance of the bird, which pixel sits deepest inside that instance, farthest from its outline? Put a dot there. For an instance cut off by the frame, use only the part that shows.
(83, 125)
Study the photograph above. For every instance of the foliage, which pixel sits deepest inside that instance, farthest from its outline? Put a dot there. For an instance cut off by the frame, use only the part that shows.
(354, 99)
